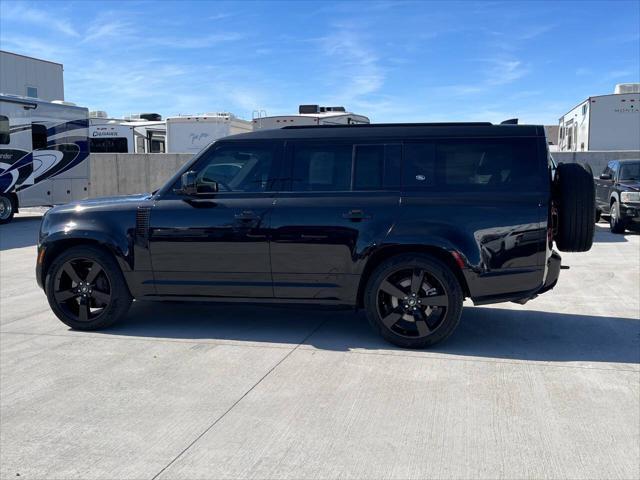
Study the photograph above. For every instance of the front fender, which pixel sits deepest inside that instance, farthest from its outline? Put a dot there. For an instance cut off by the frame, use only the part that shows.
(114, 232)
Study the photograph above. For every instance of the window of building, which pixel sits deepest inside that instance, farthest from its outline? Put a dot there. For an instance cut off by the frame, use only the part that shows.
(322, 167)
(38, 136)
(32, 92)
(108, 145)
(584, 109)
(4, 130)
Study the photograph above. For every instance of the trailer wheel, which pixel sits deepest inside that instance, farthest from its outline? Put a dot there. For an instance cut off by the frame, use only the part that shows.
(7, 208)
(575, 197)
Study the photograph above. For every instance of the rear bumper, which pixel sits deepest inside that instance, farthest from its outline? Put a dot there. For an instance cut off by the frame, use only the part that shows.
(551, 275)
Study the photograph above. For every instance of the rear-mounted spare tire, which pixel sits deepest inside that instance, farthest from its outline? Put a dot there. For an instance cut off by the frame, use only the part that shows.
(575, 200)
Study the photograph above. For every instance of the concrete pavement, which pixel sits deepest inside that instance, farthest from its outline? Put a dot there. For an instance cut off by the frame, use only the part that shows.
(550, 389)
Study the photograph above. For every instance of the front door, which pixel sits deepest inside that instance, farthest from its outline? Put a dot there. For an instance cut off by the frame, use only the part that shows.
(217, 243)
(341, 202)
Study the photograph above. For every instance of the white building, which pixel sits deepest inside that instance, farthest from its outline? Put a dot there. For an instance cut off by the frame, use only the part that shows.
(603, 122)
(31, 77)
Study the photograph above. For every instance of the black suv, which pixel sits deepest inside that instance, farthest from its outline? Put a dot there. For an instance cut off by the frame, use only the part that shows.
(403, 220)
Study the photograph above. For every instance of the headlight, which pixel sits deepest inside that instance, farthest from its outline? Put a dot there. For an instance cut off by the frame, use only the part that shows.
(630, 196)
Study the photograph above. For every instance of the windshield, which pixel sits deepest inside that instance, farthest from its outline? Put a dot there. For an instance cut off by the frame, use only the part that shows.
(629, 171)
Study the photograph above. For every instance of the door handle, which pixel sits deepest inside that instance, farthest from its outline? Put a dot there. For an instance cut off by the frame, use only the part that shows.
(356, 215)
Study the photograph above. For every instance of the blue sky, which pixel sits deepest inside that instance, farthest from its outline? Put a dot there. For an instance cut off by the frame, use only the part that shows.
(393, 61)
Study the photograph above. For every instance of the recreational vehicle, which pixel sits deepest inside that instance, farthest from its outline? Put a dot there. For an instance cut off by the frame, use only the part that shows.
(44, 153)
(191, 133)
(308, 115)
(603, 122)
(108, 135)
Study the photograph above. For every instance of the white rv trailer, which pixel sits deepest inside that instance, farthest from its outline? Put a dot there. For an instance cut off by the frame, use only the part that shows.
(603, 122)
(44, 153)
(109, 135)
(191, 133)
(308, 115)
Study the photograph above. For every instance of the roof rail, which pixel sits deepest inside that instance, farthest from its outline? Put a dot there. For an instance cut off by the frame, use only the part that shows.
(370, 125)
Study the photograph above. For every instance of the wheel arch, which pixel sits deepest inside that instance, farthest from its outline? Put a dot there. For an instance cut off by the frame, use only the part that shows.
(54, 248)
(384, 253)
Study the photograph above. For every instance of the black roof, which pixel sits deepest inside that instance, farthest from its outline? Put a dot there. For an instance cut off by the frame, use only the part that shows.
(393, 130)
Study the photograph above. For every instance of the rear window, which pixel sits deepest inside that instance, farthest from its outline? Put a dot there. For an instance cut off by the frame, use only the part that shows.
(473, 165)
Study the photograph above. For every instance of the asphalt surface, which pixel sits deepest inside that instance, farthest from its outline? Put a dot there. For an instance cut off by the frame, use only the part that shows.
(550, 389)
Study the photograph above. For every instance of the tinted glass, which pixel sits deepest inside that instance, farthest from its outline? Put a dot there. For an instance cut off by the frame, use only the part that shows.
(236, 169)
(321, 168)
(503, 164)
(369, 167)
(4, 130)
(108, 145)
(38, 136)
(419, 166)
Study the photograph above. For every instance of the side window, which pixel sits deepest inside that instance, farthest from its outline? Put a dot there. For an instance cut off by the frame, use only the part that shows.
(4, 130)
(500, 164)
(614, 169)
(368, 167)
(321, 167)
(377, 167)
(236, 169)
(418, 170)
(38, 136)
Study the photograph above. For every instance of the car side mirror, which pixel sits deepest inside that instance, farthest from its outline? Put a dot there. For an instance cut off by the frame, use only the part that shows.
(189, 186)
(605, 176)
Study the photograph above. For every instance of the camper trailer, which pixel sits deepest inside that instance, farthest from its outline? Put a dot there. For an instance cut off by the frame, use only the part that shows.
(603, 122)
(44, 153)
(308, 115)
(191, 133)
(131, 135)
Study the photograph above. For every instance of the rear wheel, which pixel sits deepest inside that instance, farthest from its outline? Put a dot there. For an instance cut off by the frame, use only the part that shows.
(575, 197)
(413, 301)
(86, 289)
(7, 208)
(615, 222)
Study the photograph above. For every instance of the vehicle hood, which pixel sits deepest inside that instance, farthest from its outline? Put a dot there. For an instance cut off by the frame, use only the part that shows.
(631, 185)
(122, 202)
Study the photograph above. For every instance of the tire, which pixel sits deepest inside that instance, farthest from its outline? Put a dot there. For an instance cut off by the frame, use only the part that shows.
(598, 215)
(7, 208)
(106, 292)
(616, 225)
(421, 323)
(575, 197)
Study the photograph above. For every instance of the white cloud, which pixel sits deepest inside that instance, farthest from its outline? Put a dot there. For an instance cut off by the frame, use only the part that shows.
(21, 13)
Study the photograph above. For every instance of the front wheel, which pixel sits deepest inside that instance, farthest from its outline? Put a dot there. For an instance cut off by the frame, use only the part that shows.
(615, 222)
(7, 209)
(86, 289)
(413, 301)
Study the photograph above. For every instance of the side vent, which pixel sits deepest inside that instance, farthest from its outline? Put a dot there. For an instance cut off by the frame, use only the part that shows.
(142, 226)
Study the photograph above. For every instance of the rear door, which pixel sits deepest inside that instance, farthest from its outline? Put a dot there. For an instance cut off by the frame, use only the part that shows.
(603, 187)
(341, 200)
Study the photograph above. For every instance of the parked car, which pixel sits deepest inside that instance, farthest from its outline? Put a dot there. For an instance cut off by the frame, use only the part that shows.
(618, 195)
(404, 221)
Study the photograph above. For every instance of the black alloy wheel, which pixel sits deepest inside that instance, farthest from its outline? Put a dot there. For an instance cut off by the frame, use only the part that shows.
(82, 289)
(86, 288)
(413, 300)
